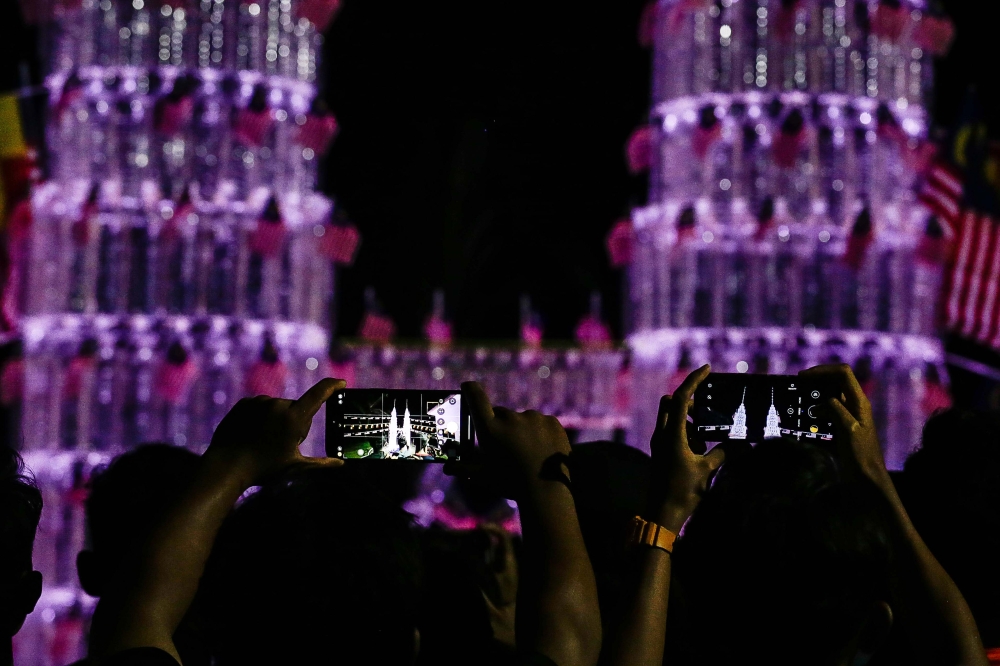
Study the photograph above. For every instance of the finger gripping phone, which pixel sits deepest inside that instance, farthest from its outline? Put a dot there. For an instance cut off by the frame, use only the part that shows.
(397, 424)
(755, 408)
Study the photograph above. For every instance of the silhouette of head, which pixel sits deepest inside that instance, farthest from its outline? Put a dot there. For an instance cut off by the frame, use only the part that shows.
(20, 510)
(784, 559)
(315, 568)
(125, 501)
(951, 489)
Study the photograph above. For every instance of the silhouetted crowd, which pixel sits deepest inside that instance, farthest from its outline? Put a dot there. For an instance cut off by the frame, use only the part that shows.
(781, 553)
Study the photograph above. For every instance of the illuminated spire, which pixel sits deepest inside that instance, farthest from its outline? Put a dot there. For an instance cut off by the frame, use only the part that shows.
(739, 429)
(392, 440)
(771, 429)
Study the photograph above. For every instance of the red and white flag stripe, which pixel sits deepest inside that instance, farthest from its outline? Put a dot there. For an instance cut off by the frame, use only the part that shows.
(972, 304)
(941, 192)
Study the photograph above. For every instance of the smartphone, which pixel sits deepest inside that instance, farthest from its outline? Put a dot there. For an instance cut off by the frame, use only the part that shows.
(397, 424)
(755, 408)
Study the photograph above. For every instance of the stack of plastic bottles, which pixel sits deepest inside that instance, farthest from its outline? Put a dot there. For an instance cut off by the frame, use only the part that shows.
(179, 258)
(783, 229)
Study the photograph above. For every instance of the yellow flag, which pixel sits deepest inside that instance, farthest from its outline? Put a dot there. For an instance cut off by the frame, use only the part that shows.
(11, 142)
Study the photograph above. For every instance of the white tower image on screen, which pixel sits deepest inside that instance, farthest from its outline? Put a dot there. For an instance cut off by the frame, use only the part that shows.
(408, 448)
(739, 429)
(392, 440)
(771, 429)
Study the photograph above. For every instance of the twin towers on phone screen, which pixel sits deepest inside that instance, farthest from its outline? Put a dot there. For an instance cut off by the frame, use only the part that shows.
(755, 408)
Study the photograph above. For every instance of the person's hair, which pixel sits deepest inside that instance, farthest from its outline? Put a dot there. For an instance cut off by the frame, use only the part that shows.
(20, 511)
(783, 560)
(455, 628)
(314, 568)
(131, 496)
(951, 490)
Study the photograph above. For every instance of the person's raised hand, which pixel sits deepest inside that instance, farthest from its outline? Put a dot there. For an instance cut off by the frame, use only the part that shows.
(516, 446)
(260, 436)
(858, 446)
(680, 476)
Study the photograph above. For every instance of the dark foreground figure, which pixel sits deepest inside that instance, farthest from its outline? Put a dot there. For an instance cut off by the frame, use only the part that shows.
(791, 553)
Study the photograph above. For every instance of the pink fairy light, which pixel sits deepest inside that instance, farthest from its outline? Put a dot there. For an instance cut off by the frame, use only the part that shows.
(267, 378)
(377, 328)
(889, 22)
(592, 333)
(531, 335)
(346, 371)
(339, 243)
(935, 34)
(639, 149)
(620, 242)
(78, 368)
(647, 25)
(173, 116)
(704, 138)
(319, 12)
(317, 132)
(268, 238)
(251, 127)
(174, 380)
(12, 382)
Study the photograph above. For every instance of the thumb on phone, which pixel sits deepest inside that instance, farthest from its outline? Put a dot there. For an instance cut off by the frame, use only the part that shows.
(479, 404)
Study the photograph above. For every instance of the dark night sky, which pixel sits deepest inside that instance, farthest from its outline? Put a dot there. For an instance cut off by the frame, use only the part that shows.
(481, 148)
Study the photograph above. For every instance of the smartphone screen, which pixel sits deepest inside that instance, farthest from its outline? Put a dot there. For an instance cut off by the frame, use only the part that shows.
(391, 424)
(755, 408)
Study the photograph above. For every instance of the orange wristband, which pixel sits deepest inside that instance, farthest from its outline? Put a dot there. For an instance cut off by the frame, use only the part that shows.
(644, 533)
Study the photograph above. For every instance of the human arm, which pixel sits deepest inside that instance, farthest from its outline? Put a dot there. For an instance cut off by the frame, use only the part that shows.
(680, 477)
(557, 611)
(258, 438)
(930, 607)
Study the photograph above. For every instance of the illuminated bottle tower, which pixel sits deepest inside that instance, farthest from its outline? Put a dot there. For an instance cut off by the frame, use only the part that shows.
(177, 260)
(782, 230)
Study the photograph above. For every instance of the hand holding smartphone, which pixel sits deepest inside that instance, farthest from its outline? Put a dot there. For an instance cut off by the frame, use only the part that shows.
(397, 424)
(755, 408)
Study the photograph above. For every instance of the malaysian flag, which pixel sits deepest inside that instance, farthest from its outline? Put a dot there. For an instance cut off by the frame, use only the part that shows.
(967, 208)
(941, 191)
(972, 293)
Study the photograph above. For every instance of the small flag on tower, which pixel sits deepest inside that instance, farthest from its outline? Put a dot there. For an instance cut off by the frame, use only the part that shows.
(941, 191)
(375, 326)
(860, 239)
(268, 238)
(620, 242)
(647, 24)
(934, 34)
(765, 219)
(319, 12)
(254, 122)
(889, 20)
(933, 247)
(707, 132)
(639, 149)
(788, 143)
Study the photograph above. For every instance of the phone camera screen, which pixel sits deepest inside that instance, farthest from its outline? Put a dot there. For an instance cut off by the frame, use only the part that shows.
(755, 408)
(382, 424)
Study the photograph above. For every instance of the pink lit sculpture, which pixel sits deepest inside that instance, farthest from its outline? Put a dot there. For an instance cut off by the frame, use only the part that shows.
(782, 228)
(179, 258)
